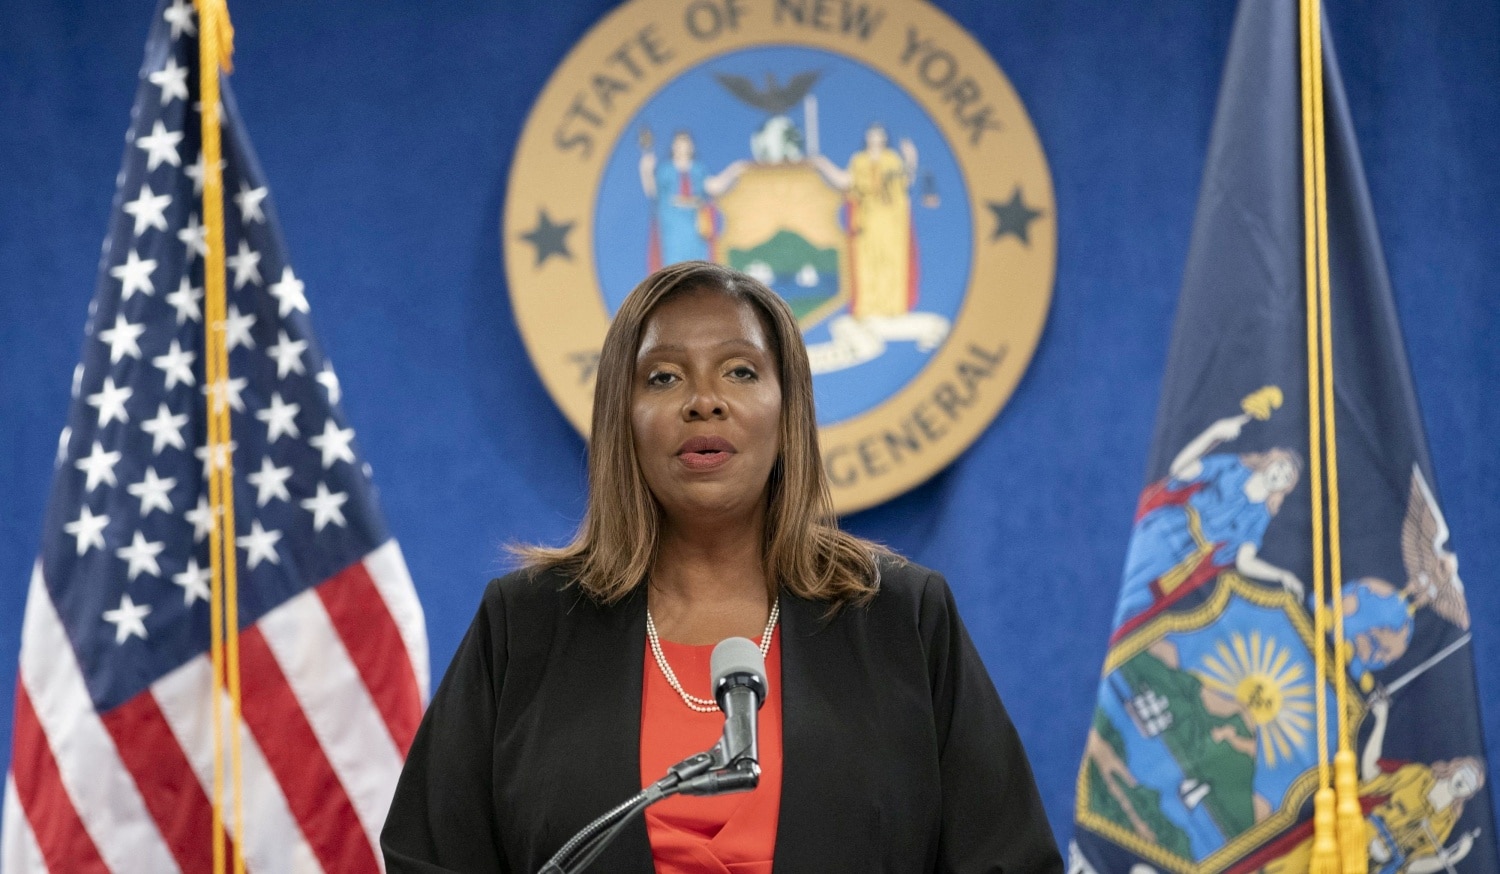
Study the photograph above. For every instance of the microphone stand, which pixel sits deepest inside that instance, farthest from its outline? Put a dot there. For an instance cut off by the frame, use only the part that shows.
(715, 772)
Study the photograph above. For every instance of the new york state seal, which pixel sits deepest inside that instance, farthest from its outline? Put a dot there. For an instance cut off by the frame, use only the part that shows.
(867, 159)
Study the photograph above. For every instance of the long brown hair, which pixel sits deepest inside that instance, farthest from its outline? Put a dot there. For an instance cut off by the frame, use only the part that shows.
(804, 551)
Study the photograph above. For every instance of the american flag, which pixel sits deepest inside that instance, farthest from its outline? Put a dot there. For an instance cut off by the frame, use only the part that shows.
(112, 764)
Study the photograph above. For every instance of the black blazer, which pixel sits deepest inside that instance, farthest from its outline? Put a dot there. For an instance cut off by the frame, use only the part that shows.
(897, 754)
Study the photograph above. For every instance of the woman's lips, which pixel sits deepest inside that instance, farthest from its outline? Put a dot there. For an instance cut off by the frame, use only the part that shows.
(704, 460)
(705, 453)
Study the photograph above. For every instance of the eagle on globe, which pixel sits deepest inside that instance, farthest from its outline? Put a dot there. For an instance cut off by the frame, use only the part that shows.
(778, 140)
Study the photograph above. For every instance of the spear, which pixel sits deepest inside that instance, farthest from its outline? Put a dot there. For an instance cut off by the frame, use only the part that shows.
(1419, 670)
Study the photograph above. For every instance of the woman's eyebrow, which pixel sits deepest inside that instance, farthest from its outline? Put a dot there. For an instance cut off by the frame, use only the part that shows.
(678, 347)
(740, 343)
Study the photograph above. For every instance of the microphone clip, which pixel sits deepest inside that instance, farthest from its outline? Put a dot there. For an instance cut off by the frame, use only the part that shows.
(708, 773)
(740, 776)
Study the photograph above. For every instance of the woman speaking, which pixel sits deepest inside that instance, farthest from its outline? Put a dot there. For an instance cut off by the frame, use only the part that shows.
(883, 744)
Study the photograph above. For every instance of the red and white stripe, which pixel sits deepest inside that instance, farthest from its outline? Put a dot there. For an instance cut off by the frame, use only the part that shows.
(333, 684)
(18, 847)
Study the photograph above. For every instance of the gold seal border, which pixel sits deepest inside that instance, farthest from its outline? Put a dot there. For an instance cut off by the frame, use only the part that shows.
(644, 45)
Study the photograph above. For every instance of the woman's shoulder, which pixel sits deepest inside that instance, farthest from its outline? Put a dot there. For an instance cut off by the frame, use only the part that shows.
(903, 584)
(531, 589)
(911, 604)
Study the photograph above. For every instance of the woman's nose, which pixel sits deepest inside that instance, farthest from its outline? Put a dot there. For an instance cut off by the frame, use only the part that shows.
(704, 403)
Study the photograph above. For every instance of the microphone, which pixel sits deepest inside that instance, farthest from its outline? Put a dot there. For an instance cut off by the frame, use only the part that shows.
(739, 684)
(738, 672)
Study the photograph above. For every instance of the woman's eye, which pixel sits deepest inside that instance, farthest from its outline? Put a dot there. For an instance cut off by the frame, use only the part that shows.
(660, 378)
(743, 372)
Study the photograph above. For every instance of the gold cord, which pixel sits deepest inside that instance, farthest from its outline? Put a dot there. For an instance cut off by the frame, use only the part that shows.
(214, 49)
(1339, 829)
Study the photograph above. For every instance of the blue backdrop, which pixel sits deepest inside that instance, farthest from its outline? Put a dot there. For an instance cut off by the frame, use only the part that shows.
(386, 131)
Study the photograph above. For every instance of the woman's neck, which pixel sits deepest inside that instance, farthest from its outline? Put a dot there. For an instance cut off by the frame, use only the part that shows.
(709, 585)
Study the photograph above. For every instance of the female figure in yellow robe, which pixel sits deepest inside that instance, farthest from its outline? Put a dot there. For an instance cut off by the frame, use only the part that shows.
(882, 257)
(1412, 810)
(1416, 806)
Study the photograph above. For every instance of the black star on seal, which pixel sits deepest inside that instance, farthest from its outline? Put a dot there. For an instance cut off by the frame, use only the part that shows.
(549, 237)
(1013, 217)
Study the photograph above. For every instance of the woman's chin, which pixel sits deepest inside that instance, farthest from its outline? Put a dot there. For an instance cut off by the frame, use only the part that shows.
(717, 503)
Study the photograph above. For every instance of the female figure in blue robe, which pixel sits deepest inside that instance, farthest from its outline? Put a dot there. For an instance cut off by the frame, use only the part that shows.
(1210, 513)
(681, 189)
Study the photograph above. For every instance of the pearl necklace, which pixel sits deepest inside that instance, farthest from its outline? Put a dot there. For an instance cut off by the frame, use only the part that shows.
(702, 705)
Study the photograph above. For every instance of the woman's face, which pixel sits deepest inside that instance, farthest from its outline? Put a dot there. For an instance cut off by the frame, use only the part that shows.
(706, 407)
(1280, 475)
(1464, 783)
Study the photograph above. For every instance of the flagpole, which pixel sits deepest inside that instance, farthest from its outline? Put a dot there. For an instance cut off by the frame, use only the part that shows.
(215, 48)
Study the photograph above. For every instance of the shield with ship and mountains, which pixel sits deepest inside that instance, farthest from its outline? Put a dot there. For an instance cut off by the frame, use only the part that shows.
(781, 225)
(1204, 744)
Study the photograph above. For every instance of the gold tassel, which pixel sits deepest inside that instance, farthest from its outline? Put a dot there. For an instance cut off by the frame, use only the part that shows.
(1325, 848)
(1354, 844)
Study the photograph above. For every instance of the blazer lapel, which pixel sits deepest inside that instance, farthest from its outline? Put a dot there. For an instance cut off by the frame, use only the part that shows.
(606, 654)
(826, 822)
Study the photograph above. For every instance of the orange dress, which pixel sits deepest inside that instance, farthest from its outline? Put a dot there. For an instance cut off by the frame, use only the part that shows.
(726, 834)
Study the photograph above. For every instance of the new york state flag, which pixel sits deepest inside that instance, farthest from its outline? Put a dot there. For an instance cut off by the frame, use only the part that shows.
(1203, 753)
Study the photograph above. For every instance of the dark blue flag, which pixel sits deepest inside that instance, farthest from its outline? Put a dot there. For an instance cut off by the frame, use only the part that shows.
(1203, 752)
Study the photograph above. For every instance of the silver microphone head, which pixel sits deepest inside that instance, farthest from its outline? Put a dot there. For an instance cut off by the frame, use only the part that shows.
(737, 661)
